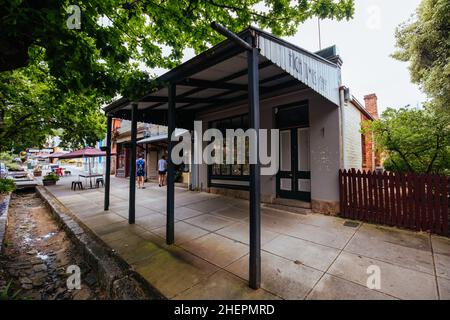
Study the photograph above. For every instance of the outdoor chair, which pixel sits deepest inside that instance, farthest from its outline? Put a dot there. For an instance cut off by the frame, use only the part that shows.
(67, 173)
(98, 181)
(76, 184)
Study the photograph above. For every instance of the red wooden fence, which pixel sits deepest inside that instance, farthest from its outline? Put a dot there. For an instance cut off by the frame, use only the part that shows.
(412, 201)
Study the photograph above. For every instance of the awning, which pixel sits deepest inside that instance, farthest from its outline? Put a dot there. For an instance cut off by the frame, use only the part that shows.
(162, 137)
(88, 152)
(217, 79)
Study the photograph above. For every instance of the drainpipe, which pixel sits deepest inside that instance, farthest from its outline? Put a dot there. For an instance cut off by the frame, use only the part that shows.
(373, 151)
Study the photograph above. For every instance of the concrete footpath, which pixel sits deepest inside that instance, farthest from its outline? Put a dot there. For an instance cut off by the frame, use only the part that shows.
(303, 256)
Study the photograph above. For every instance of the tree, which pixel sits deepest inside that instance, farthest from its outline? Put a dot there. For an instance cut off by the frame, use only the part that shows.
(33, 108)
(424, 42)
(55, 73)
(101, 55)
(413, 140)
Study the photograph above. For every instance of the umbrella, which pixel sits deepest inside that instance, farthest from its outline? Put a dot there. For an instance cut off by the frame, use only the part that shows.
(56, 154)
(41, 155)
(87, 152)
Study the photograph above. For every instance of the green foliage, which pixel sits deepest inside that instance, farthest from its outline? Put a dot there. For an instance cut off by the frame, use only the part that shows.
(56, 78)
(413, 140)
(5, 293)
(32, 107)
(116, 36)
(12, 166)
(7, 185)
(424, 42)
(8, 159)
(51, 177)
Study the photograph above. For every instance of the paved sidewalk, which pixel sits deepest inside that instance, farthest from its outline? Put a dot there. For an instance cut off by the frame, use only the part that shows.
(303, 256)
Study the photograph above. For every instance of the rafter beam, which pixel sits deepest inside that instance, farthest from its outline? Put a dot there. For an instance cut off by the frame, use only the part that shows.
(213, 84)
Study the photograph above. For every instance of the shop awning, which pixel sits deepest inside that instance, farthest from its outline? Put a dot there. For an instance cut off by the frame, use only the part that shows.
(217, 78)
(162, 137)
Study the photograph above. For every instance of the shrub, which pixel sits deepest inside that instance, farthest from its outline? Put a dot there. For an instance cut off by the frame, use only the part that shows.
(6, 294)
(7, 185)
(51, 177)
(13, 166)
(6, 157)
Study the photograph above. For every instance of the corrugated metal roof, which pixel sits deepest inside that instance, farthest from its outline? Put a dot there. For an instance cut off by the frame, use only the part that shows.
(161, 137)
(323, 77)
(226, 64)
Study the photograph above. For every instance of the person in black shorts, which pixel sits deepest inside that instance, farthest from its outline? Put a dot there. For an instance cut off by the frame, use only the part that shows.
(162, 169)
(140, 172)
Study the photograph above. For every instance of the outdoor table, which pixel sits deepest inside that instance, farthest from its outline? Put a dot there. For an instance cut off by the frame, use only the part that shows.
(90, 176)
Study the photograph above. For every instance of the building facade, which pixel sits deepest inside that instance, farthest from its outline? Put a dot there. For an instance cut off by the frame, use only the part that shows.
(300, 94)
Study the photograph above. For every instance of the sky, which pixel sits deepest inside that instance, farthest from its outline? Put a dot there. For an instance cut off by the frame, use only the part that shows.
(365, 44)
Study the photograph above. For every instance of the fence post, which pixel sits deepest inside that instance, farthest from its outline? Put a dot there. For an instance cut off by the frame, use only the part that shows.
(444, 208)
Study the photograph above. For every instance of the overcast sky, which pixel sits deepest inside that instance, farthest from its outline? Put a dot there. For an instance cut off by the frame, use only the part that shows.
(365, 44)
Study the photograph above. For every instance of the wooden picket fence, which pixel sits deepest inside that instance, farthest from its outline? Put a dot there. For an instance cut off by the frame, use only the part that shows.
(412, 201)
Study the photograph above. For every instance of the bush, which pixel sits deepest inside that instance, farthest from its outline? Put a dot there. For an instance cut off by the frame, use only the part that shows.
(51, 177)
(6, 157)
(13, 166)
(7, 185)
(6, 294)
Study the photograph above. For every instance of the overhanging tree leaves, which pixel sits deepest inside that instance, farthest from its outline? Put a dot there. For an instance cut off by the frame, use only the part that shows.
(33, 107)
(99, 55)
(424, 42)
(106, 56)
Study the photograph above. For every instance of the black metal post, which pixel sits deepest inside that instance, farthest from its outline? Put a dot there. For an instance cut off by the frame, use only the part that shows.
(108, 161)
(170, 224)
(132, 200)
(255, 182)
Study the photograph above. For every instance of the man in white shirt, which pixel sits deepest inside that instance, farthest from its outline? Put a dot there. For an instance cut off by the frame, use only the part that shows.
(162, 169)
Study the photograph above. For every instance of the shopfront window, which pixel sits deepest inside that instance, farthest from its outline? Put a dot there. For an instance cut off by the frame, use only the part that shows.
(235, 170)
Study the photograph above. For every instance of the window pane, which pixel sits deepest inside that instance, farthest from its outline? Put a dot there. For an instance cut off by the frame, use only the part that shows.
(225, 169)
(285, 150)
(303, 149)
(237, 171)
(237, 122)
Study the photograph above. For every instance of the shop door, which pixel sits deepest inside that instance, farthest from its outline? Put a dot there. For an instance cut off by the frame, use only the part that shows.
(294, 176)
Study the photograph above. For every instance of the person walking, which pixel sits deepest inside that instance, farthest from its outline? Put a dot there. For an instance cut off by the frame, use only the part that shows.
(162, 169)
(140, 171)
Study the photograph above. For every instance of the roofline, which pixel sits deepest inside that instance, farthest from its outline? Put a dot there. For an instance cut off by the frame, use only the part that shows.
(361, 108)
(115, 104)
(292, 46)
(185, 67)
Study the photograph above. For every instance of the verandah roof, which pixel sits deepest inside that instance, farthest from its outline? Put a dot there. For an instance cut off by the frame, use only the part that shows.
(217, 78)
